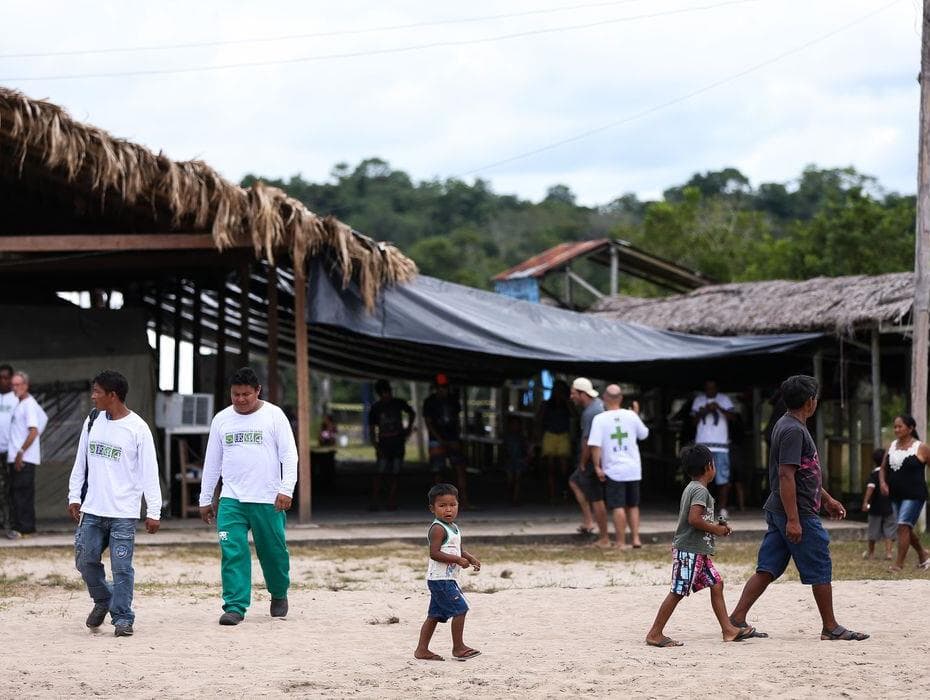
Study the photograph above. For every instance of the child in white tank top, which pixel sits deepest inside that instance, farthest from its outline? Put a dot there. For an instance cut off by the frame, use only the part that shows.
(446, 559)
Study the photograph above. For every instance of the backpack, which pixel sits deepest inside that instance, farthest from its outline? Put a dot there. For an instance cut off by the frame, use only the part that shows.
(91, 417)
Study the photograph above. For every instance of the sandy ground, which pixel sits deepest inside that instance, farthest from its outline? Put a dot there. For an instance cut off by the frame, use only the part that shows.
(545, 630)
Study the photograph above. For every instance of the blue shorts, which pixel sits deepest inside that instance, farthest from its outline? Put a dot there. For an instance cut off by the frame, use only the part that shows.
(722, 464)
(811, 555)
(446, 600)
(907, 511)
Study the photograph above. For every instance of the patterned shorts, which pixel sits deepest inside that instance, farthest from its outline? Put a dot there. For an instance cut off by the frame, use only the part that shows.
(692, 572)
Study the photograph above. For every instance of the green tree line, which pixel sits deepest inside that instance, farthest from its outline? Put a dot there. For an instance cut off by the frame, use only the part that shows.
(825, 222)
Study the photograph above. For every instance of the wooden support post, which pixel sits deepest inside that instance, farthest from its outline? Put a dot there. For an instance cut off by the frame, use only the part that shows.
(159, 327)
(245, 279)
(418, 423)
(876, 391)
(921, 310)
(176, 328)
(219, 381)
(272, 296)
(614, 269)
(818, 420)
(758, 459)
(302, 359)
(855, 446)
(197, 338)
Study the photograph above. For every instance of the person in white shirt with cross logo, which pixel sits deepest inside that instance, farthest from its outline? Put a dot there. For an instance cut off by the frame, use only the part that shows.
(614, 442)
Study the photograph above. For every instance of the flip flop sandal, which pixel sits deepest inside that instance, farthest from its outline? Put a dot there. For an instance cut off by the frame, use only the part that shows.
(841, 634)
(665, 642)
(470, 654)
(756, 634)
(746, 633)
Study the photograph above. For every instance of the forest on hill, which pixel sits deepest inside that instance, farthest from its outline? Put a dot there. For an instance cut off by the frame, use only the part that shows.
(825, 222)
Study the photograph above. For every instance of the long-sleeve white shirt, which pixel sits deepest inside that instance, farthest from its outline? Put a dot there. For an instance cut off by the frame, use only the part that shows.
(255, 453)
(118, 458)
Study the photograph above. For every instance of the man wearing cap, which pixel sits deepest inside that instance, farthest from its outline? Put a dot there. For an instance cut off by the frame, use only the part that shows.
(587, 488)
(441, 411)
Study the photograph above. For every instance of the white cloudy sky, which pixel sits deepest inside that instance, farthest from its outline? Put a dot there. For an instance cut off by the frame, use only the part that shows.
(458, 92)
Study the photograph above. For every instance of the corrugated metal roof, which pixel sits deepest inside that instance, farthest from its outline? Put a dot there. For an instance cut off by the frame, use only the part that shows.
(552, 259)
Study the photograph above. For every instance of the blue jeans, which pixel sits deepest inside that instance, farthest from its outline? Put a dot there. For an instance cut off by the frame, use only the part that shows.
(93, 536)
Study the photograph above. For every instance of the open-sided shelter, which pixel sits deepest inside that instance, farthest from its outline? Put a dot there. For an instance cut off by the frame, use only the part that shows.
(83, 210)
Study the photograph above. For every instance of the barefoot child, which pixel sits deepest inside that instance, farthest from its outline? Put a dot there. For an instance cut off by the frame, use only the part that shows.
(692, 568)
(446, 557)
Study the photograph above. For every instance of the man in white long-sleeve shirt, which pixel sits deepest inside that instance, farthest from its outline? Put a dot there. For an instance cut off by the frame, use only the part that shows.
(116, 461)
(251, 446)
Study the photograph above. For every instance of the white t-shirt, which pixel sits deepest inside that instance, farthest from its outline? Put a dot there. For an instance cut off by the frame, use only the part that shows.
(255, 454)
(8, 402)
(712, 429)
(617, 433)
(119, 461)
(26, 414)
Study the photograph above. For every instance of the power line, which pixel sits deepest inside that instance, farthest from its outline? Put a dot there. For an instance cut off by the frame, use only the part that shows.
(681, 98)
(378, 52)
(315, 35)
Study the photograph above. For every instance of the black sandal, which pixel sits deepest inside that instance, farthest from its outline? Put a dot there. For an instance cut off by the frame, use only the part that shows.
(841, 634)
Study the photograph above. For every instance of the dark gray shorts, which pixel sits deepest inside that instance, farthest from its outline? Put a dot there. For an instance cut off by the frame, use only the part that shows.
(883, 527)
(621, 494)
(590, 485)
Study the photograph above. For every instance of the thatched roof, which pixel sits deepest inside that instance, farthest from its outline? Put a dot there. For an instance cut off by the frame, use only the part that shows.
(833, 304)
(183, 196)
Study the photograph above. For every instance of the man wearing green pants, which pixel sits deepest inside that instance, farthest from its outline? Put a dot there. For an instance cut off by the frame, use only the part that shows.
(251, 446)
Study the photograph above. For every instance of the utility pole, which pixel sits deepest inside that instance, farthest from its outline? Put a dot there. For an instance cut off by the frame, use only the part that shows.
(922, 245)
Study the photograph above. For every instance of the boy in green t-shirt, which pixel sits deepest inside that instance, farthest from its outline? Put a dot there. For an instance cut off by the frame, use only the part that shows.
(692, 567)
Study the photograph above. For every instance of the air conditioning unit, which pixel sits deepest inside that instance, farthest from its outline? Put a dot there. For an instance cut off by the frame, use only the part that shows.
(183, 410)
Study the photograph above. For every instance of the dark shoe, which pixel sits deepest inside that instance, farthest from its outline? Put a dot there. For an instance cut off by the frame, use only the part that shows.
(279, 607)
(97, 615)
(231, 618)
(124, 629)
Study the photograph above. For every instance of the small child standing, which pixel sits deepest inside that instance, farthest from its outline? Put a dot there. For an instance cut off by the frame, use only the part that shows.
(446, 558)
(882, 523)
(692, 567)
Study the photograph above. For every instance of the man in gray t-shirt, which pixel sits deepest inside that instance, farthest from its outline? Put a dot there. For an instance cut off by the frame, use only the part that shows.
(588, 489)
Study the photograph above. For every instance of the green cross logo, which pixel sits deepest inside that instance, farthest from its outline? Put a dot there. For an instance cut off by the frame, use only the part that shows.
(619, 436)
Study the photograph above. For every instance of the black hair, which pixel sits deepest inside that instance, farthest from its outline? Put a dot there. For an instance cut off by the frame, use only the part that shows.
(8, 368)
(441, 490)
(695, 458)
(796, 390)
(878, 456)
(111, 380)
(245, 375)
(382, 386)
(909, 421)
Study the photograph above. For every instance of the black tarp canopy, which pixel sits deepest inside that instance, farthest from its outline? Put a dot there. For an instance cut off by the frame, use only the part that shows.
(481, 338)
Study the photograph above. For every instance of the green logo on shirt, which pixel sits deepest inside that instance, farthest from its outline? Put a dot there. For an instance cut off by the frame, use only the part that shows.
(619, 435)
(102, 449)
(243, 437)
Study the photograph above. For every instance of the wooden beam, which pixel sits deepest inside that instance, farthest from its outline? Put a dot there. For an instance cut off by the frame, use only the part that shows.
(81, 243)
(303, 393)
(273, 388)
